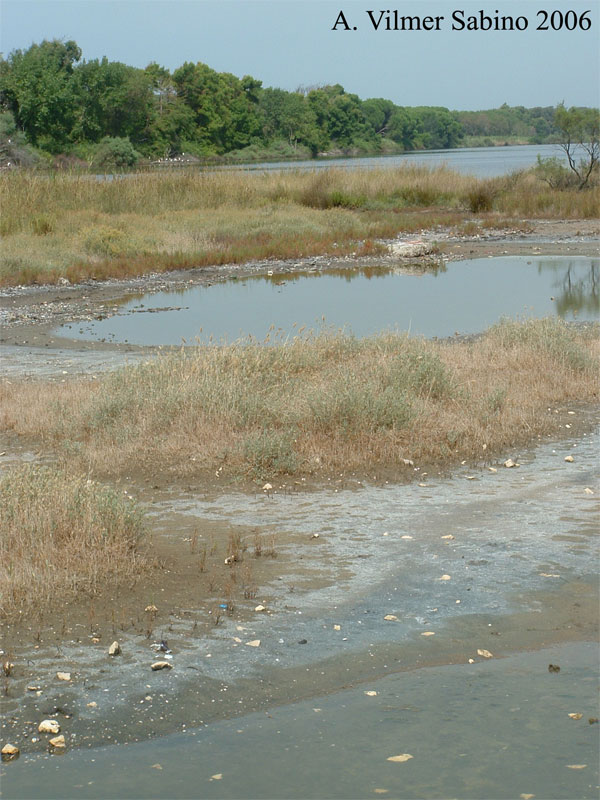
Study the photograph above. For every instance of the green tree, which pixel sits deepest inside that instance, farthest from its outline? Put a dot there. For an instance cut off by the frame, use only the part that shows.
(35, 85)
(287, 115)
(579, 129)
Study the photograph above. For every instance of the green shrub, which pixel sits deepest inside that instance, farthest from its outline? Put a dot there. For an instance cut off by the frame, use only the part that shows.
(106, 242)
(115, 152)
(269, 453)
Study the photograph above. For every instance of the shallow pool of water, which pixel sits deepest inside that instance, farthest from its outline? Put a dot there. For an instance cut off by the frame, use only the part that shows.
(464, 297)
(338, 746)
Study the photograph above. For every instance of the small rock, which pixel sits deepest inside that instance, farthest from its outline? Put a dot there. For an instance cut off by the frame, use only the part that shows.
(9, 751)
(49, 726)
(570, 459)
(371, 693)
(63, 676)
(484, 653)
(151, 609)
(448, 536)
(253, 643)
(391, 618)
(587, 490)
(315, 536)
(428, 633)
(93, 704)
(260, 608)
(510, 463)
(337, 627)
(492, 469)
(576, 716)
(114, 649)
(408, 462)
(267, 487)
(58, 741)
(33, 688)
(303, 641)
(445, 578)
(161, 665)
(553, 668)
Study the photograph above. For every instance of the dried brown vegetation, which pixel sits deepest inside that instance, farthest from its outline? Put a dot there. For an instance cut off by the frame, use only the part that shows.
(70, 225)
(62, 535)
(316, 405)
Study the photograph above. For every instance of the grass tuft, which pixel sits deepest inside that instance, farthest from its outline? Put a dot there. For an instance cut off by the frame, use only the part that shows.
(61, 535)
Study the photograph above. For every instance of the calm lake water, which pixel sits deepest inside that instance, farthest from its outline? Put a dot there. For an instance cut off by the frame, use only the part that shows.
(484, 162)
(464, 297)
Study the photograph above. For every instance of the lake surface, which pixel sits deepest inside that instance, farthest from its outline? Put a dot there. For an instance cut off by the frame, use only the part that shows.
(483, 162)
(464, 297)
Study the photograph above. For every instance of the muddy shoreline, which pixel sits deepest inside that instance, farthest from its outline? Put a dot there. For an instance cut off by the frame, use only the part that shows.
(28, 314)
(216, 673)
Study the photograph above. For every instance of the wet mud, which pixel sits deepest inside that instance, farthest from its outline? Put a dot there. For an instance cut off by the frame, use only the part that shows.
(500, 562)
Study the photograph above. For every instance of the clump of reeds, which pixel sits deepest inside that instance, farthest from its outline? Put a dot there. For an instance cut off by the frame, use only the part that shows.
(62, 535)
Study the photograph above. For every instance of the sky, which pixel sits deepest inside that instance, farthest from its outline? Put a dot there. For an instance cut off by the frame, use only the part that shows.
(291, 43)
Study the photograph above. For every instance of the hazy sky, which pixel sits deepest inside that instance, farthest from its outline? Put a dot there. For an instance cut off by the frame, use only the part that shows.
(289, 43)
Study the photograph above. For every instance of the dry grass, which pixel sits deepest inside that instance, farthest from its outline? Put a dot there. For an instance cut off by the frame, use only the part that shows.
(60, 536)
(327, 404)
(76, 226)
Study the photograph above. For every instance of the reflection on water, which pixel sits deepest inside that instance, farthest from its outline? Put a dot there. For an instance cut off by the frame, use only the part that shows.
(577, 290)
(464, 297)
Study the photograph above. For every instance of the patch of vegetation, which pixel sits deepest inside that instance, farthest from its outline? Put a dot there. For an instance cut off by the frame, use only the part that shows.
(61, 535)
(314, 405)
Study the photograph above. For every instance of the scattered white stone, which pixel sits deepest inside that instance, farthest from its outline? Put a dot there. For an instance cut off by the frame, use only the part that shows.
(484, 653)
(587, 490)
(151, 609)
(337, 627)
(428, 633)
(371, 693)
(267, 487)
(63, 676)
(445, 578)
(406, 537)
(161, 665)
(410, 248)
(448, 536)
(492, 469)
(58, 741)
(260, 608)
(49, 726)
(391, 618)
(570, 459)
(510, 463)
(93, 704)
(114, 649)
(408, 462)
(315, 536)
(33, 688)
(253, 643)
(10, 750)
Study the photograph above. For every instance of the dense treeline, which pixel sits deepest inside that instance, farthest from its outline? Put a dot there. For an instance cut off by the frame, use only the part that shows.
(103, 111)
